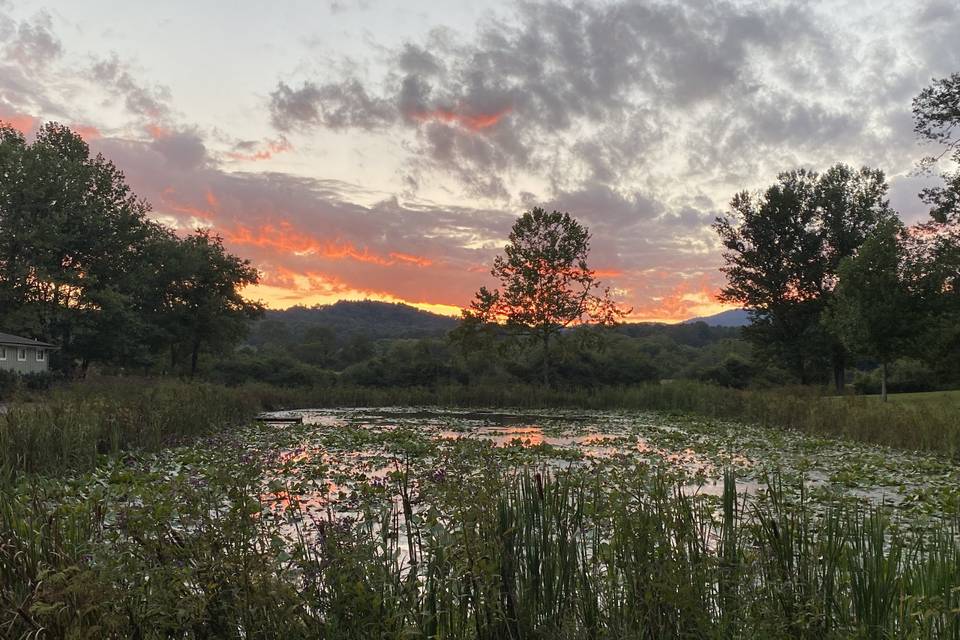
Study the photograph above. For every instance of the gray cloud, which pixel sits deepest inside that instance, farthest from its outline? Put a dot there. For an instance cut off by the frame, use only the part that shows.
(335, 106)
(114, 77)
(184, 150)
(32, 43)
(576, 92)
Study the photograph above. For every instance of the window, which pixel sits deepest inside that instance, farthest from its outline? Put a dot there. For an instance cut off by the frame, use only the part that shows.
(3, 353)
(41, 355)
(21, 355)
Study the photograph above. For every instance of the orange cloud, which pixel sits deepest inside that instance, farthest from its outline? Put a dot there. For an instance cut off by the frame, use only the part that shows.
(22, 122)
(476, 122)
(284, 238)
(685, 300)
(169, 199)
(86, 132)
(157, 131)
(608, 273)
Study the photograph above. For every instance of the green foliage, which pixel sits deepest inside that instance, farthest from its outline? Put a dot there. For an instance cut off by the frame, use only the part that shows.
(906, 375)
(545, 283)
(782, 250)
(936, 116)
(343, 319)
(872, 311)
(506, 553)
(82, 266)
(273, 368)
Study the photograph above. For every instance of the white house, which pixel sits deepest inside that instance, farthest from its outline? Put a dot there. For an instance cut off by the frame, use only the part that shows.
(24, 355)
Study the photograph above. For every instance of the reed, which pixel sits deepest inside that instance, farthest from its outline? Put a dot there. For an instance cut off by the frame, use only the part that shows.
(522, 555)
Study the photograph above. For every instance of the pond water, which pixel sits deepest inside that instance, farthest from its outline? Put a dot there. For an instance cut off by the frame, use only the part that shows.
(336, 459)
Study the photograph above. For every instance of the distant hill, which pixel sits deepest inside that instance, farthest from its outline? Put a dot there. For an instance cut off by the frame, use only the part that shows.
(375, 320)
(729, 318)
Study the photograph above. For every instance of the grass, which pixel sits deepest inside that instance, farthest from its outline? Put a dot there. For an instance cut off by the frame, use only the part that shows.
(951, 397)
(99, 537)
(72, 428)
(521, 554)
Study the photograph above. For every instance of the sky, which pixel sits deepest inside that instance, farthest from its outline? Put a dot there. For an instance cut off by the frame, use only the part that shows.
(380, 149)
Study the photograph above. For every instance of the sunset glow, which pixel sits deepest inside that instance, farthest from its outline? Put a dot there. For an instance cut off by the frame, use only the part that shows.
(344, 170)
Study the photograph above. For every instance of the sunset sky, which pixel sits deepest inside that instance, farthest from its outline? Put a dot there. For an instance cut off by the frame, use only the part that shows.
(382, 149)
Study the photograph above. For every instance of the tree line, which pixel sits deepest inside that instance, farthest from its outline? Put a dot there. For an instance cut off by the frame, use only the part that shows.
(828, 271)
(823, 264)
(83, 267)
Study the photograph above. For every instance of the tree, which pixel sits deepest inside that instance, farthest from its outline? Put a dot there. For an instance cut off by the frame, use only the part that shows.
(936, 116)
(934, 247)
(782, 250)
(545, 283)
(872, 309)
(207, 308)
(83, 266)
(70, 231)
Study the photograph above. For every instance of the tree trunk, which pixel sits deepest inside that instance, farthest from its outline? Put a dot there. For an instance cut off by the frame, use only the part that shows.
(883, 381)
(802, 371)
(839, 358)
(546, 359)
(194, 356)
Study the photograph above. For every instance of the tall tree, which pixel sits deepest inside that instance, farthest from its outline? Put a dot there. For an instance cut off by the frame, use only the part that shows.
(851, 204)
(83, 266)
(872, 309)
(782, 250)
(934, 248)
(936, 116)
(545, 283)
(773, 267)
(207, 309)
(69, 229)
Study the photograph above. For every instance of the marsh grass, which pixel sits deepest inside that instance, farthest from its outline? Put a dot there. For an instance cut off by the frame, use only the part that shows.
(72, 428)
(520, 554)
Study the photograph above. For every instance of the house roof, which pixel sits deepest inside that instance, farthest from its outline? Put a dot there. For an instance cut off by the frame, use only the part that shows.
(10, 339)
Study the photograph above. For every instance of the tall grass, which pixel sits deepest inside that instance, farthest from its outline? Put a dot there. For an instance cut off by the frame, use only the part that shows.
(527, 556)
(70, 428)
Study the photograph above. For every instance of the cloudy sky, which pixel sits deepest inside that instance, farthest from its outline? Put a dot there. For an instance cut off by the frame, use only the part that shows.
(381, 149)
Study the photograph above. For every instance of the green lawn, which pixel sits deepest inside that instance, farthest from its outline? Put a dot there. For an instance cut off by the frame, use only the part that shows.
(951, 397)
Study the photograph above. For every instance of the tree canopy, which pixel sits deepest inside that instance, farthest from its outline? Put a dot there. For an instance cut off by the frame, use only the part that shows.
(872, 310)
(545, 282)
(83, 266)
(782, 251)
(936, 116)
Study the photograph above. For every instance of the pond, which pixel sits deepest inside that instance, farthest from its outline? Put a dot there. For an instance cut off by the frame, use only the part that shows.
(332, 460)
(462, 524)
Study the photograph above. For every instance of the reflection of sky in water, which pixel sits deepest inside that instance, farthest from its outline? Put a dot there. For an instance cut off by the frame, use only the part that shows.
(319, 481)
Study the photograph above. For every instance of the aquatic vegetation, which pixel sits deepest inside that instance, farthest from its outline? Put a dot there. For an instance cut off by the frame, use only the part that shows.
(457, 524)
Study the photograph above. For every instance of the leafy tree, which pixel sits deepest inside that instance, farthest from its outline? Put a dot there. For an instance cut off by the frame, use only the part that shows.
(872, 309)
(934, 247)
(545, 283)
(208, 310)
(70, 229)
(936, 115)
(782, 250)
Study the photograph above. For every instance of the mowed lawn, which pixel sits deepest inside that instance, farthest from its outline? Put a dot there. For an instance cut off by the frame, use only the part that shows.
(951, 397)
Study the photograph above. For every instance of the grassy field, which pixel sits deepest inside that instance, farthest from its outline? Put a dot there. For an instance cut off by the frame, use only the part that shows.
(948, 398)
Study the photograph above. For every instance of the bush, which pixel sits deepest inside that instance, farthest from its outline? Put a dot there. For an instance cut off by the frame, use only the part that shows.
(9, 383)
(903, 376)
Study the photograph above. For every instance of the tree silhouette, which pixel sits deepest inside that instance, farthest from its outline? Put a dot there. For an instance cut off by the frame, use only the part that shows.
(545, 283)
